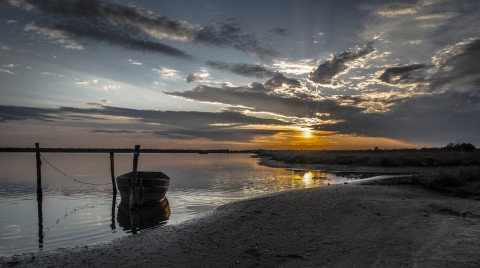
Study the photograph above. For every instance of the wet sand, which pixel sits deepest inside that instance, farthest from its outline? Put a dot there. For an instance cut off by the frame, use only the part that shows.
(350, 225)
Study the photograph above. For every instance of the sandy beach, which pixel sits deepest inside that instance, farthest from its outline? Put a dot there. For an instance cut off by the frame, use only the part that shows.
(347, 225)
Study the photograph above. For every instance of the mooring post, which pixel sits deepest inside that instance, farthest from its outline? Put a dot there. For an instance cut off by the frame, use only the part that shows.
(112, 172)
(133, 186)
(39, 195)
(39, 172)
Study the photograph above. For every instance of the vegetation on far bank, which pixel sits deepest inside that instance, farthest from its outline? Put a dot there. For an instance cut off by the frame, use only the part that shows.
(460, 181)
(454, 154)
(460, 177)
(457, 177)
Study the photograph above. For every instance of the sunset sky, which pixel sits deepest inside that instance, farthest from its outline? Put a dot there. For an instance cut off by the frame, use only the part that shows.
(239, 74)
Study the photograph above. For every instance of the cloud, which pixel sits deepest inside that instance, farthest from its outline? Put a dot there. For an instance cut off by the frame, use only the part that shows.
(111, 87)
(457, 67)
(11, 21)
(230, 34)
(260, 98)
(10, 66)
(49, 74)
(9, 113)
(438, 118)
(113, 131)
(136, 28)
(167, 73)
(446, 109)
(199, 77)
(55, 35)
(404, 74)
(86, 82)
(134, 62)
(396, 10)
(247, 70)
(4, 70)
(282, 83)
(318, 38)
(216, 134)
(123, 38)
(326, 71)
(224, 126)
(294, 67)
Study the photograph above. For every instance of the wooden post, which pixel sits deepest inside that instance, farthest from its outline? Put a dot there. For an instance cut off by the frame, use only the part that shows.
(112, 172)
(114, 185)
(39, 173)
(133, 186)
(39, 195)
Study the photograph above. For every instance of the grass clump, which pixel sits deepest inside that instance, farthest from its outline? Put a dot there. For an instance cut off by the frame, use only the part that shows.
(456, 177)
(460, 182)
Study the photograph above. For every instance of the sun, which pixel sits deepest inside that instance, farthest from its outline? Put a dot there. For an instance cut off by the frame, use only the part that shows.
(307, 132)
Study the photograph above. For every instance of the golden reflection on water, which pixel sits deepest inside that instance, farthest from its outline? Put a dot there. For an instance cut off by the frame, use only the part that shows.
(311, 178)
(307, 178)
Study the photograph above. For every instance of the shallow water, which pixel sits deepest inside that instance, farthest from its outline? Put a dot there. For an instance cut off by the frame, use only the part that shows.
(76, 214)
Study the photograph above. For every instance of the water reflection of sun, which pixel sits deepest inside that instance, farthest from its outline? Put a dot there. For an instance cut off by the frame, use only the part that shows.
(307, 177)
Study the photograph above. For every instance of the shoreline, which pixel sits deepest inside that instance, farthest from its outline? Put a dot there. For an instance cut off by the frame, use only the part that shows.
(267, 161)
(336, 225)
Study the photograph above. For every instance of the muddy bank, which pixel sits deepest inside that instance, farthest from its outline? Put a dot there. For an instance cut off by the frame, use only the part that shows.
(333, 226)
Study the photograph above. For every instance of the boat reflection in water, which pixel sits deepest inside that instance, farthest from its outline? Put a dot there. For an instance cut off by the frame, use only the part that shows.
(146, 217)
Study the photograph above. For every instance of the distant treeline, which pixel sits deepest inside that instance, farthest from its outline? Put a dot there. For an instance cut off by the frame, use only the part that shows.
(454, 154)
(118, 150)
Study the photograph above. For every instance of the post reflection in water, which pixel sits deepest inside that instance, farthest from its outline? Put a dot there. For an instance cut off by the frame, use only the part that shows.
(143, 218)
(114, 204)
(40, 223)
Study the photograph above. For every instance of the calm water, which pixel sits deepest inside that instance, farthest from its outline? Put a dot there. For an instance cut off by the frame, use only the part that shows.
(76, 214)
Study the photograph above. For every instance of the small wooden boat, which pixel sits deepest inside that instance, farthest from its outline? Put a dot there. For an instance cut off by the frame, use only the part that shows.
(152, 187)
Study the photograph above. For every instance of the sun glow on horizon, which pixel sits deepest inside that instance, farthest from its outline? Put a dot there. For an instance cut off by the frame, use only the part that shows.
(307, 132)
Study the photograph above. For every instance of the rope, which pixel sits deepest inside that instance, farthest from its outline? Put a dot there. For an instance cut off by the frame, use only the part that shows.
(66, 215)
(70, 177)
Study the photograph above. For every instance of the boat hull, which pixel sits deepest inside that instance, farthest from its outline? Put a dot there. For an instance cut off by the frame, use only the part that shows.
(154, 185)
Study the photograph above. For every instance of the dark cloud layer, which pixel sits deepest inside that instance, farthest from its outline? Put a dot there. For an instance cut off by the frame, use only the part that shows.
(215, 133)
(136, 28)
(429, 118)
(265, 102)
(329, 69)
(113, 131)
(180, 125)
(230, 34)
(118, 37)
(247, 70)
